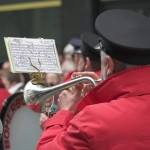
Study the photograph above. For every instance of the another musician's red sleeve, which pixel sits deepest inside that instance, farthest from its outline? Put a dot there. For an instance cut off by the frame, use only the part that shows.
(59, 134)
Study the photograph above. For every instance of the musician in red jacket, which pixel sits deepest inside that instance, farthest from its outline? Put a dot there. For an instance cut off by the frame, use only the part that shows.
(90, 55)
(116, 114)
(73, 49)
(3, 94)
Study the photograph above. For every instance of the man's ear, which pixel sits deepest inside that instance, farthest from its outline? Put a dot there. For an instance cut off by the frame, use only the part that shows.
(88, 65)
(110, 68)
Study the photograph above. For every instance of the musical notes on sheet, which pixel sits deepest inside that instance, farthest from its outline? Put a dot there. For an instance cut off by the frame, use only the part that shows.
(44, 50)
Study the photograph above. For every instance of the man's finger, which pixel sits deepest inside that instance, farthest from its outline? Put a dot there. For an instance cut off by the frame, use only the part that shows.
(89, 74)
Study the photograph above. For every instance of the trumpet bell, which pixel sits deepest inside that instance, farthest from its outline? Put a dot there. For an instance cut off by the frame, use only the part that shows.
(35, 99)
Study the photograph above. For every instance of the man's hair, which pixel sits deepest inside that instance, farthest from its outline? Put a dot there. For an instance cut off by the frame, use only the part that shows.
(95, 65)
(11, 77)
(119, 66)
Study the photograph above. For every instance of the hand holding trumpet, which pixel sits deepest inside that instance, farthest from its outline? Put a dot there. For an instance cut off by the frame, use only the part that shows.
(93, 75)
(69, 99)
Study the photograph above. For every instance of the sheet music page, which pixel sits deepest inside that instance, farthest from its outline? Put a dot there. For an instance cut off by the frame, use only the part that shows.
(41, 53)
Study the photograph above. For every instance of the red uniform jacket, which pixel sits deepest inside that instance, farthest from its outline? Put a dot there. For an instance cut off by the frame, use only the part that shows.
(98, 73)
(117, 117)
(3, 95)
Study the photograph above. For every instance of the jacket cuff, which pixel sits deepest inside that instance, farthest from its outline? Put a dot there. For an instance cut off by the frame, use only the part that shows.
(62, 118)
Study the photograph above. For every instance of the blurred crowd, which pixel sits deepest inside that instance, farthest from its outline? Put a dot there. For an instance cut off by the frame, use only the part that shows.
(76, 56)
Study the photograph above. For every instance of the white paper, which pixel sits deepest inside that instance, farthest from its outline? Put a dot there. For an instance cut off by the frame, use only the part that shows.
(41, 52)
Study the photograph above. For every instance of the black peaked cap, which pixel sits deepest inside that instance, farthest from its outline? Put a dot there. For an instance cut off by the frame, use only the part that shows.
(89, 41)
(125, 36)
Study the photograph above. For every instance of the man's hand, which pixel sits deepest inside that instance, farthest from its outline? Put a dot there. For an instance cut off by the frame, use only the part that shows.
(42, 119)
(93, 75)
(68, 100)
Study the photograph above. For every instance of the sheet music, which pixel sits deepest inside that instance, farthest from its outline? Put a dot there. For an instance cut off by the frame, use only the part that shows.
(41, 52)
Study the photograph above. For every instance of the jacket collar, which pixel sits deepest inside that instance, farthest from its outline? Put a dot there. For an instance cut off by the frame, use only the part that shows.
(127, 83)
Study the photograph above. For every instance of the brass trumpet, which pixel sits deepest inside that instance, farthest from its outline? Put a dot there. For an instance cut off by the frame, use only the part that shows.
(40, 98)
